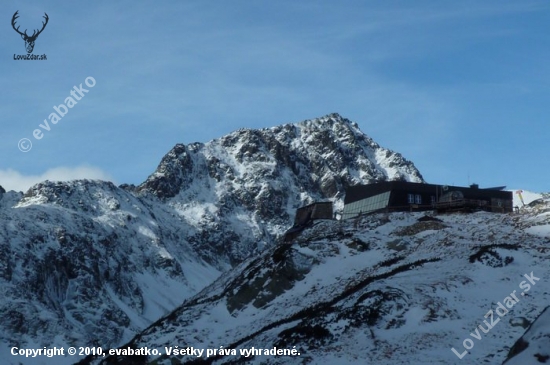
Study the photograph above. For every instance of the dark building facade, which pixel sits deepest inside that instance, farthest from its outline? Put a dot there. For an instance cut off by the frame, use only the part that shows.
(306, 215)
(320, 210)
(408, 196)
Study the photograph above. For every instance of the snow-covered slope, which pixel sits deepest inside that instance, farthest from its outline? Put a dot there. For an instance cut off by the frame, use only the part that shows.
(528, 197)
(383, 289)
(86, 263)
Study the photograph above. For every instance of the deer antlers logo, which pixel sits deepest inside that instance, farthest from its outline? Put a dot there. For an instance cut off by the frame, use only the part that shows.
(29, 40)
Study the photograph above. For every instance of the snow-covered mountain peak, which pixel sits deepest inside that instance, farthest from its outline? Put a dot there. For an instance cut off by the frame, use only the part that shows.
(330, 151)
(252, 180)
(97, 263)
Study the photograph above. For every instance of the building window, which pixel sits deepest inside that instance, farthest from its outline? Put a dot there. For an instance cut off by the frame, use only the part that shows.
(367, 205)
(410, 198)
(418, 199)
(433, 200)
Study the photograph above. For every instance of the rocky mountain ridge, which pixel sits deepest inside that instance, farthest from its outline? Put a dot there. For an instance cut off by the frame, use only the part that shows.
(87, 263)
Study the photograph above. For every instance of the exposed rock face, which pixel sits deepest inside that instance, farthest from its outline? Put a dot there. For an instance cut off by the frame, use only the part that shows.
(87, 262)
(253, 180)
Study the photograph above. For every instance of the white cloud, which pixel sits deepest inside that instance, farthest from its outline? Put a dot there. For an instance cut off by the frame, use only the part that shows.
(14, 180)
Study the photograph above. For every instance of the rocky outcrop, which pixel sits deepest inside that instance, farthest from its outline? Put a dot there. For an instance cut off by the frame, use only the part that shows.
(533, 348)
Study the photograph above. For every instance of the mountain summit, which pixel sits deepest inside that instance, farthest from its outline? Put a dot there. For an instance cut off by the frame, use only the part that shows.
(253, 179)
(326, 154)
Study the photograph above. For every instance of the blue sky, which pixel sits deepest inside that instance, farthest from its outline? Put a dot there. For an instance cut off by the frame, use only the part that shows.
(459, 88)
